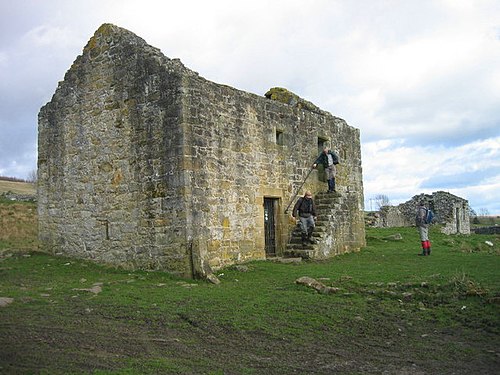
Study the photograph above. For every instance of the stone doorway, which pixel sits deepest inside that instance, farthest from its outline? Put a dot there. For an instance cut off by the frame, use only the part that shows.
(270, 220)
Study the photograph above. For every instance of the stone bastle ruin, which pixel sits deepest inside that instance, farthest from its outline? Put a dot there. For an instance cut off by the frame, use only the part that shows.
(144, 164)
(452, 213)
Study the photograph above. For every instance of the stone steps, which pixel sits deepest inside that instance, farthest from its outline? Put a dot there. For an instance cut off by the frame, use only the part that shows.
(304, 253)
(325, 205)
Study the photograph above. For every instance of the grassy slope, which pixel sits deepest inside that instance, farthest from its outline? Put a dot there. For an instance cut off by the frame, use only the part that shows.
(395, 312)
(17, 187)
(18, 225)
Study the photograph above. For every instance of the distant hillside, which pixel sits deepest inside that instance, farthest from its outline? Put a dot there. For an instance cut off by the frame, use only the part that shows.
(24, 188)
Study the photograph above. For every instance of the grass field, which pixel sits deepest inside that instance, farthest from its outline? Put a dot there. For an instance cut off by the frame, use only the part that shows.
(17, 187)
(394, 313)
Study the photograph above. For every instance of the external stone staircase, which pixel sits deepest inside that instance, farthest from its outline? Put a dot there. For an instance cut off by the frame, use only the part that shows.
(326, 205)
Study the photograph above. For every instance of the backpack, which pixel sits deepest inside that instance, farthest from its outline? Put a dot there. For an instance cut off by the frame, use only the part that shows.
(429, 215)
(335, 158)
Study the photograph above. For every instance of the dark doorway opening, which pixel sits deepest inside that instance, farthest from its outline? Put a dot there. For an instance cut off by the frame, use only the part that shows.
(322, 143)
(270, 220)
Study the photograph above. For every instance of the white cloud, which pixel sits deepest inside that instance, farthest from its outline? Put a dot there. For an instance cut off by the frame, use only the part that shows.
(471, 171)
(44, 35)
(3, 59)
(420, 78)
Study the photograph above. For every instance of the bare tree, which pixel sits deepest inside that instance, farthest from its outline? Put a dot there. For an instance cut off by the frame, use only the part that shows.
(483, 212)
(473, 216)
(382, 200)
(32, 176)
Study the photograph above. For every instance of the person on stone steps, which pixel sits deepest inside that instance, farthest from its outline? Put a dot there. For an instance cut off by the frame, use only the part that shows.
(423, 229)
(329, 159)
(305, 211)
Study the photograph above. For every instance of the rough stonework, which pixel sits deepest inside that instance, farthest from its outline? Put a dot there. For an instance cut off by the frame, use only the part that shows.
(287, 97)
(144, 164)
(450, 211)
(488, 230)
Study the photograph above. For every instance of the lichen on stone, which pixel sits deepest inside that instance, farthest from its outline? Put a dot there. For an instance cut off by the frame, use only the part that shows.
(285, 96)
(104, 31)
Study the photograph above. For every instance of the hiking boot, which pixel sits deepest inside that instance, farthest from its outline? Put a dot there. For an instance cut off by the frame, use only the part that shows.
(304, 240)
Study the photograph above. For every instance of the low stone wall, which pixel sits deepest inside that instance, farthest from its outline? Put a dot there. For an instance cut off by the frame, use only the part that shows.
(487, 230)
(18, 197)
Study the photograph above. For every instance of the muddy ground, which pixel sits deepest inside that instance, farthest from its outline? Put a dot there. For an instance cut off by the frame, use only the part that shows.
(82, 341)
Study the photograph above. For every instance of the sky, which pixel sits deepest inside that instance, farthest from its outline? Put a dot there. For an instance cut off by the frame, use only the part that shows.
(419, 78)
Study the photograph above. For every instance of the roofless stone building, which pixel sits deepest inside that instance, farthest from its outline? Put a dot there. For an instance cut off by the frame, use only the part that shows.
(144, 164)
(452, 212)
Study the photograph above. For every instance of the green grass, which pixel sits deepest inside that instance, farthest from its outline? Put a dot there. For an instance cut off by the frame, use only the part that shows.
(394, 310)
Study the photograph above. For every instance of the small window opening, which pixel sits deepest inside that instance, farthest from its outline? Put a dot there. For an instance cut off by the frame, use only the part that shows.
(279, 137)
(105, 224)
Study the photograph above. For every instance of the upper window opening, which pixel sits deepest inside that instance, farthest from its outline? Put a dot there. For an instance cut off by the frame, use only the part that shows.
(279, 137)
(322, 143)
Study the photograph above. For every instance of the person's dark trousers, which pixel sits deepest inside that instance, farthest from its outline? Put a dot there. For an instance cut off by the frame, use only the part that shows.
(309, 235)
(331, 184)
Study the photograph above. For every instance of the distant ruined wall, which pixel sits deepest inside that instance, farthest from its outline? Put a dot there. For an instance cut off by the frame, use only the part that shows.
(487, 230)
(451, 212)
(392, 216)
(143, 163)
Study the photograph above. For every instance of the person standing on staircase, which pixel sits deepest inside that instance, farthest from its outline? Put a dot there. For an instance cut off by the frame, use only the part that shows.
(305, 211)
(329, 159)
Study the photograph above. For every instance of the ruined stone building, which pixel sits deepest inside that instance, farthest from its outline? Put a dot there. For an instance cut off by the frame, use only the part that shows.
(451, 212)
(144, 164)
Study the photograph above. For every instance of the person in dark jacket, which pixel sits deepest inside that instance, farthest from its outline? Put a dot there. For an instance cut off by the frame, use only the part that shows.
(328, 159)
(305, 211)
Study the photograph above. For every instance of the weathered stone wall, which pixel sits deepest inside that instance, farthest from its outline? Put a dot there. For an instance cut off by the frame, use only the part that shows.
(394, 216)
(236, 163)
(342, 234)
(145, 164)
(450, 211)
(109, 153)
(453, 212)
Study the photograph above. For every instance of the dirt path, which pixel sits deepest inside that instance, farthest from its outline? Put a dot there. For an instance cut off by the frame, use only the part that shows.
(83, 341)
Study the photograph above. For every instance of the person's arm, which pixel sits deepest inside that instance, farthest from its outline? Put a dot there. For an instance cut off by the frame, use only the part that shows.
(318, 160)
(420, 216)
(296, 207)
